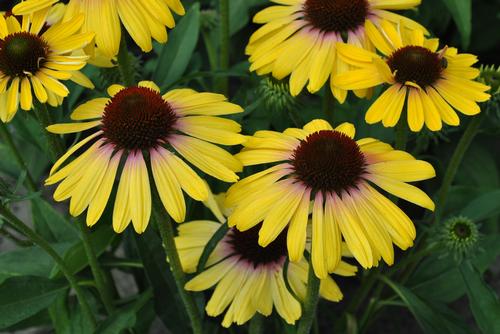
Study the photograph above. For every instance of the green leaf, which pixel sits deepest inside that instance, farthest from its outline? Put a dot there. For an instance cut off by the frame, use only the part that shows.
(483, 207)
(50, 223)
(461, 12)
(483, 301)
(428, 316)
(176, 54)
(160, 278)
(76, 258)
(31, 261)
(22, 297)
(239, 13)
(124, 318)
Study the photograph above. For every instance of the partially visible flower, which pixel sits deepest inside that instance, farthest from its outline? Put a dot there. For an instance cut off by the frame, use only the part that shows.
(299, 38)
(459, 235)
(144, 20)
(249, 278)
(145, 131)
(432, 82)
(33, 61)
(324, 170)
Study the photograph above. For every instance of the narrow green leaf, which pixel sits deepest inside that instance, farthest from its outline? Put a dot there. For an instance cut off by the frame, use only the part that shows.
(176, 54)
(430, 320)
(22, 297)
(483, 301)
(461, 11)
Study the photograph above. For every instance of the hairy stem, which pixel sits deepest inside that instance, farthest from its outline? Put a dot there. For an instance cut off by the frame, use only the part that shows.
(164, 225)
(311, 302)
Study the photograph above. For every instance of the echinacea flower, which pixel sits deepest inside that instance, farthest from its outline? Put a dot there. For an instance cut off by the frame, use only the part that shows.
(144, 20)
(299, 38)
(327, 167)
(432, 82)
(249, 278)
(143, 130)
(33, 60)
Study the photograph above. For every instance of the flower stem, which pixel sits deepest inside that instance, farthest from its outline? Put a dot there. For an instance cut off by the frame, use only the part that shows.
(99, 277)
(164, 225)
(7, 138)
(456, 160)
(311, 302)
(38, 240)
(124, 65)
(222, 83)
(55, 144)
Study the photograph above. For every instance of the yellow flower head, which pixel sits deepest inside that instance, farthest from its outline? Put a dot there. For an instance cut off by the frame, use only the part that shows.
(144, 20)
(299, 38)
(322, 171)
(435, 81)
(249, 278)
(141, 128)
(34, 57)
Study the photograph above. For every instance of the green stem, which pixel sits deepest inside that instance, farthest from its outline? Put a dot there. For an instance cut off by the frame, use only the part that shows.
(164, 225)
(224, 45)
(124, 65)
(55, 144)
(99, 277)
(311, 302)
(38, 240)
(401, 135)
(19, 242)
(456, 160)
(7, 138)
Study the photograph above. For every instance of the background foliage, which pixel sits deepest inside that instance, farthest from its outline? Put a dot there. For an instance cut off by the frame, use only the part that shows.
(426, 291)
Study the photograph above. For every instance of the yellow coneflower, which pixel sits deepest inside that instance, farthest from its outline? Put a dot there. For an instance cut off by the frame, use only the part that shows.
(34, 58)
(327, 167)
(299, 38)
(145, 130)
(249, 278)
(143, 20)
(435, 81)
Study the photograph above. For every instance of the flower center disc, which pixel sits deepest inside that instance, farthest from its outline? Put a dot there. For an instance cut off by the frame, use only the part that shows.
(328, 161)
(137, 118)
(416, 64)
(336, 15)
(22, 53)
(246, 244)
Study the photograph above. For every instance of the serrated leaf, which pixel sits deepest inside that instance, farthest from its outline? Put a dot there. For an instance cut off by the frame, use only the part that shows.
(22, 297)
(175, 55)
